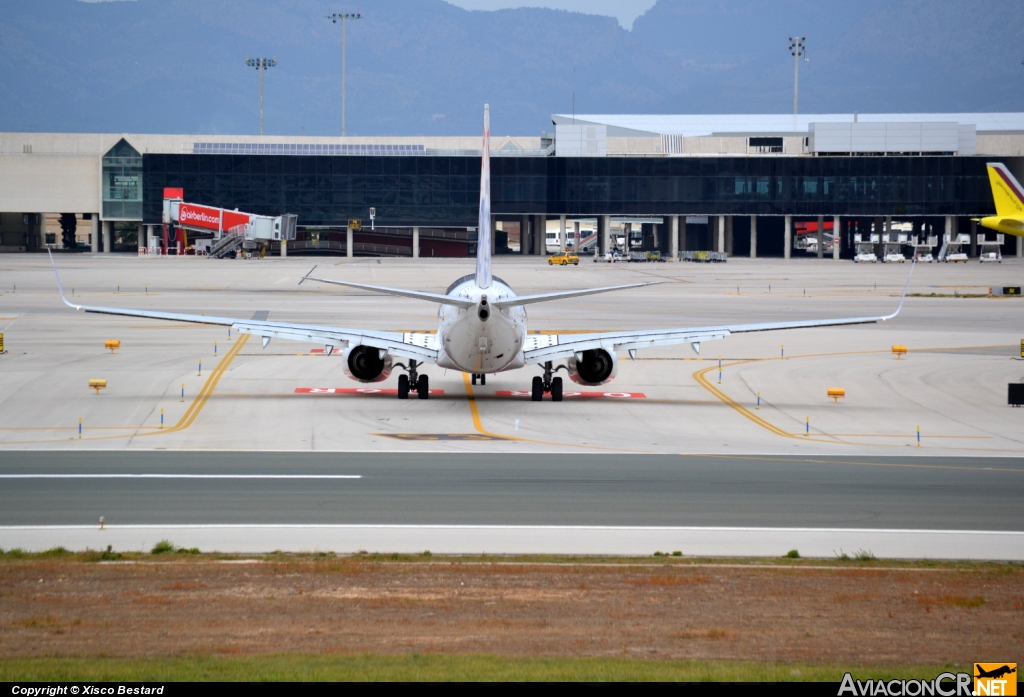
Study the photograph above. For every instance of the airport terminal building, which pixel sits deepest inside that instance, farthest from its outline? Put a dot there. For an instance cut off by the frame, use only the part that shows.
(739, 184)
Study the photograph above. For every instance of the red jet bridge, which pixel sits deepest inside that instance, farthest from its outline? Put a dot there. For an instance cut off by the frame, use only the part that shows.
(229, 229)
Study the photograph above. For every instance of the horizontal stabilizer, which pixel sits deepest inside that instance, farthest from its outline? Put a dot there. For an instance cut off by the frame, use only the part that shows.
(545, 297)
(418, 295)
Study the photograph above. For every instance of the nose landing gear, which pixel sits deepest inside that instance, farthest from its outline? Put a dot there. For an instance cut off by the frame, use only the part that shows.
(418, 382)
(547, 384)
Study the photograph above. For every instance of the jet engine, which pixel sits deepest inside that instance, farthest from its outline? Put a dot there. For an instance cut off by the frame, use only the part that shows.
(596, 367)
(365, 364)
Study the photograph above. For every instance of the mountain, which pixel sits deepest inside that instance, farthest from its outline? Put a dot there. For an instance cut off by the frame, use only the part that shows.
(424, 67)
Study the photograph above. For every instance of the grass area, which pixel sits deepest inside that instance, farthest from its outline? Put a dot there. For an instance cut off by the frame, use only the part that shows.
(166, 551)
(432, 667)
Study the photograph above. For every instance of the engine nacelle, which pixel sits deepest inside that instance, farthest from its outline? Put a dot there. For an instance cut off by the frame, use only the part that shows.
(363, 363)
(597, 367)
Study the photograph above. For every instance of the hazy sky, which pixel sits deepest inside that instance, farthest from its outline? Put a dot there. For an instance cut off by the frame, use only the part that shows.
(623, 10)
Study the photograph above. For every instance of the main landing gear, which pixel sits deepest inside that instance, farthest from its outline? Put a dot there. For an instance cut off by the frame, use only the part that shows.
(418, 382)
(481, 376)
(548, 384)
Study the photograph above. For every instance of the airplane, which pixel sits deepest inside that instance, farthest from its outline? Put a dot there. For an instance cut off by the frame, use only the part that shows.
(995, 673)
(482, 327)
(1009, 198)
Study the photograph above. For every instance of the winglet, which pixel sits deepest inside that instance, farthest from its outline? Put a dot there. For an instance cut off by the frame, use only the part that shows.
(59, 287)
(905, 289)
(307, 275)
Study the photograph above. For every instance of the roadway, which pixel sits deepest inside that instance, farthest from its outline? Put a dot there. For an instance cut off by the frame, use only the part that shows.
(213, 497)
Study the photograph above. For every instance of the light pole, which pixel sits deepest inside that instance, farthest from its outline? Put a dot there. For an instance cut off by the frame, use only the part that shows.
(261, 64)
(344, 17)
(797, 48)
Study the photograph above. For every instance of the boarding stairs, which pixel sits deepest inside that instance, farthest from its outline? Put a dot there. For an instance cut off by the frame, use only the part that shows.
(230, 242)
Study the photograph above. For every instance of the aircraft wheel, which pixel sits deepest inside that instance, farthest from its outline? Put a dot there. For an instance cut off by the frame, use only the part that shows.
(537, 393)
(556, 390)
(423, 387)
(403, 387)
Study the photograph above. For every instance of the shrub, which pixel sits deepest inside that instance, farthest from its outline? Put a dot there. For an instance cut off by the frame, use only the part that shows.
(677, 553)
(792, 554)
(163, 547)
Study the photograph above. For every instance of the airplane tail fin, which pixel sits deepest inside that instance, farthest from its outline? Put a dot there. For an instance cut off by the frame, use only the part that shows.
(483, 235)
(1006, 190)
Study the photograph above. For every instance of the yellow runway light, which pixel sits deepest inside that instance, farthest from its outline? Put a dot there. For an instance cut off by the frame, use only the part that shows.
(97, 384)
(899, 351)
(112, 344)
(836, 392)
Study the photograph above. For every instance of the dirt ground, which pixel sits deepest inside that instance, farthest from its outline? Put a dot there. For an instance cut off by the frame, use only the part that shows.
(799, 613)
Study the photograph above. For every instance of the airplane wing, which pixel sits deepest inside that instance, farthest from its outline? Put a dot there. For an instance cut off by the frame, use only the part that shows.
(414, 345)
(542, 348)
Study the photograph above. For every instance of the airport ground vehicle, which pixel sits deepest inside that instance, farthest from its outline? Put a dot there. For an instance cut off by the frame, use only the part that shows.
(865, 257)
(482, 327)
(563, 259)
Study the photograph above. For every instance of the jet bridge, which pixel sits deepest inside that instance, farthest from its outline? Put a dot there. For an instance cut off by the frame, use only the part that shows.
(227, 230)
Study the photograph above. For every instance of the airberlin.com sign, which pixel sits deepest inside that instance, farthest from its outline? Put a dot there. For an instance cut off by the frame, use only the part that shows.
(207, 218)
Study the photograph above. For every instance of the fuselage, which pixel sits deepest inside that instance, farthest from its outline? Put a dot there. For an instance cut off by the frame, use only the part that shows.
(481, 339)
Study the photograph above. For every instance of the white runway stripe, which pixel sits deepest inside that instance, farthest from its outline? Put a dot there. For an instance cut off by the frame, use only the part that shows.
(181, 476)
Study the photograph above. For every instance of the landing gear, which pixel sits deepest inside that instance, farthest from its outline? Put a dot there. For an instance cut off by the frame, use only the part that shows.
(413, 380)
(549, 384)
(481, 376)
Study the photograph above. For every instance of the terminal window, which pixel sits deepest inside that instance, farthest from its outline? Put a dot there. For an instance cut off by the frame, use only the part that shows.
(764, 144)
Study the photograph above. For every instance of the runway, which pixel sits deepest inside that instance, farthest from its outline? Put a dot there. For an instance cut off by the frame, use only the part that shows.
(625, 504)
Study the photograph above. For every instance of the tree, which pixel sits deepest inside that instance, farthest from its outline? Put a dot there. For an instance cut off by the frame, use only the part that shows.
(68, 226)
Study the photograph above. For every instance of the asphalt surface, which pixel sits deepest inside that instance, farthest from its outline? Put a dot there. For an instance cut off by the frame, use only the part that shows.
(917, 493)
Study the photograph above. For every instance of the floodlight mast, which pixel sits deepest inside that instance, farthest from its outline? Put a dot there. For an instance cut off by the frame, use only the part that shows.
(797, 48)
(344, 17)
(261, 64)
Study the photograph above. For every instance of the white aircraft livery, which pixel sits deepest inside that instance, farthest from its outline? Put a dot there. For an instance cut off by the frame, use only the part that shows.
(482, 327)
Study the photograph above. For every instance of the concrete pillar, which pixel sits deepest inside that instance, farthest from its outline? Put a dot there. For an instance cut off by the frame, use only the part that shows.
(284, 248)
(974, 239)
(821, 236)
(524, 234)
(1020, 247)
(415, 243)
(540, 236)
(728, 235)
(561, 233)
(108, 235)
(673, 237)
(753, 237)
(604, 233)
(140, 236)
(682, 233)
(349, 242)
(949, 228)
(837, 237)
(94, 237)
(720, 245)
(576, 236)
(787, 239)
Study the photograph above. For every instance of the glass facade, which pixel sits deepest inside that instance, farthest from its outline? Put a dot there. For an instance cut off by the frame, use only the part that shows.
(427, 190)
(122, 183)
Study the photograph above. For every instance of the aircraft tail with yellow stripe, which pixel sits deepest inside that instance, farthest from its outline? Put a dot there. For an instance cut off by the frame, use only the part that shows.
(1009, 200)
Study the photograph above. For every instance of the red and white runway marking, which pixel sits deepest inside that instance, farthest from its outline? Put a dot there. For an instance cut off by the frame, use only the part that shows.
(568, 395)
(357, 390)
